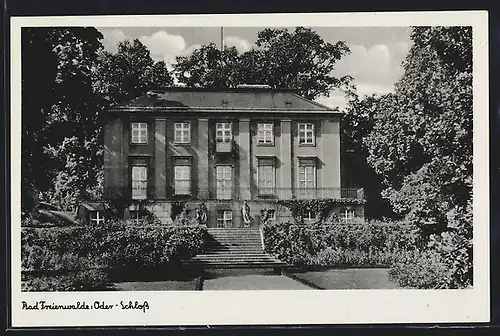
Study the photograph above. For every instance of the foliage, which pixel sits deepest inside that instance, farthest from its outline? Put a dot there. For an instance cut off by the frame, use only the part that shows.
(86, 280)
(343, 257)
(60, 111)
(208, 67)
(129, 73)
(357, 123)
(149, 246)
(447, 260)
(113, 244)
(300, 208)
(301, 60)
(177, 208)
(68, 80)
(374, 243)
(421, 140)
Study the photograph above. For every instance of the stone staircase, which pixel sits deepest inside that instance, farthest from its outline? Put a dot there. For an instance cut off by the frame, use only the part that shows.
(235, 248)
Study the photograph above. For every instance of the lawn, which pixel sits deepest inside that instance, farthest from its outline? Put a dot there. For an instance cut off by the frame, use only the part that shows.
(157, 286)
(355, 278)
(253, 282)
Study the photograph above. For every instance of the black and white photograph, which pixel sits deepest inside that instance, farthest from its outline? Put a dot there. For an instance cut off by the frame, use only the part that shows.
(220, 160)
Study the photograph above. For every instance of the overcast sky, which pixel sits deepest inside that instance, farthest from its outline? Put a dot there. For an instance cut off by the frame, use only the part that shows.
(374, 62)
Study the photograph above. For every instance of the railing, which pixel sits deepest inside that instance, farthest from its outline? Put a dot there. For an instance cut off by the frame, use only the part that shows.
(253, 193)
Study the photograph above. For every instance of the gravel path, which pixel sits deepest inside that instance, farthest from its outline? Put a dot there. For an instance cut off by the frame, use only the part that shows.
(252, 282)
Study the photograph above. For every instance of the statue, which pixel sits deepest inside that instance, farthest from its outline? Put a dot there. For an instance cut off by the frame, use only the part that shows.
(201, 214)
(246, 215)
(264, 217)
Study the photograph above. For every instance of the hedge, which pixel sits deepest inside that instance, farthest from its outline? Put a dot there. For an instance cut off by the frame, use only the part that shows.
(340, 244)
(112, 245)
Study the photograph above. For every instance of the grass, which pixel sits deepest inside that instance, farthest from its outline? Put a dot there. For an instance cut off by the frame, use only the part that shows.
(365, 278)
(249, 280)
(191, 285)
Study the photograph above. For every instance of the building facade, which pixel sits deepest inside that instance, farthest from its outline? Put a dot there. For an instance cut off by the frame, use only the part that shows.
(222, 148)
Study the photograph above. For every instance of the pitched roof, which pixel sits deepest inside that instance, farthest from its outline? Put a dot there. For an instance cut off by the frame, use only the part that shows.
(94, 206)
(231, 100)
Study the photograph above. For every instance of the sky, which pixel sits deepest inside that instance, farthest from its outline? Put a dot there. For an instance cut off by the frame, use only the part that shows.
(375, 60)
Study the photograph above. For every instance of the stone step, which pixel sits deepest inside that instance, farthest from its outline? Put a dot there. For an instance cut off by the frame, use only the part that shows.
(221, 251)
(234, 236)
(233, 258)
(220, 265)
(234, 243)
(233, 255)
(234, 248)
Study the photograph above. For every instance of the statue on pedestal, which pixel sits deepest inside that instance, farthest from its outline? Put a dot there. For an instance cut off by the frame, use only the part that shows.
(201, 214)
(246, 215)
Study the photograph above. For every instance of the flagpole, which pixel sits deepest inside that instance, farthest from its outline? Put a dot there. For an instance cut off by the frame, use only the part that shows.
(221, 53)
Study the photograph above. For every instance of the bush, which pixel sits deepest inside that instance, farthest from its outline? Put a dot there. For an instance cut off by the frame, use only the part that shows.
(347, 244)
(151, 246)
(87, 280)
(446, 262)
(113, 244)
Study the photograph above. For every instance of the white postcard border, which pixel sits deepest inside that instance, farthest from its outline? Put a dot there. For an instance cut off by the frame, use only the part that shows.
(271, 307)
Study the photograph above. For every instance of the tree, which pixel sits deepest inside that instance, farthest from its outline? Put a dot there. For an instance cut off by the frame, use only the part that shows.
(129, 73)
(421, 140)
(208, 67)
(300, 60)
(59, 107)
(357, 123)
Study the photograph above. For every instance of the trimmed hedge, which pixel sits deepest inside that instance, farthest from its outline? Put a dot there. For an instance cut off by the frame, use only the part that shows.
(86, 280)
(112, 245)
(340, 244)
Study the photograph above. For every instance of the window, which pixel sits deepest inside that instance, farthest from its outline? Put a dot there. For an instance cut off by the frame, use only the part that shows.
(182, 180)
(266, 176)
(265, 134)
(347, 214)
(310, 216)
(306, 134)
(139, 133)
(223, 132)
(136, 216)
(224, 182)
(182, 133)
(224, 218)
(139, 182)
(96, 217)
(182, 175)
(307, 178)
(271, 214)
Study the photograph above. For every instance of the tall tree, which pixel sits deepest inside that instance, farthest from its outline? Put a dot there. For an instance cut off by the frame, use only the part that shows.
(421, 141)
(208, 67)
(357, 123)
(129, 73)
(59, 107)
(301, 60)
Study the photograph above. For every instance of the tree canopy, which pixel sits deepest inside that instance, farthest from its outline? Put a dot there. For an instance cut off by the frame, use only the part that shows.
(300, 60)
(419, 138)
(67, 81)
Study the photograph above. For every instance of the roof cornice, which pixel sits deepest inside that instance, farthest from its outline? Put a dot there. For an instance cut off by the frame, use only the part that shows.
(220, 110)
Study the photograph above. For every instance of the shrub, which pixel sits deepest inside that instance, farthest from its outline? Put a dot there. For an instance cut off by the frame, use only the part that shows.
(86, 280)
(446, 262)
(347, 244)
(112, 244)
(150, 246)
